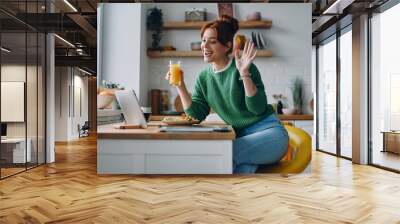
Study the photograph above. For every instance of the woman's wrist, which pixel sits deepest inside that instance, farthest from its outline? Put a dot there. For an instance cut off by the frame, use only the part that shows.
(182, 86)
(244, 73)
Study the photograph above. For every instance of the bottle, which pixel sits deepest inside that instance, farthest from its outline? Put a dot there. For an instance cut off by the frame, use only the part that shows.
(279, 107)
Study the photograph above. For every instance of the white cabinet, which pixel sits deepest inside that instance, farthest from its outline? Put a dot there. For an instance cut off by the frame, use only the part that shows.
(16, 148)
(306, 125)
(158, 156)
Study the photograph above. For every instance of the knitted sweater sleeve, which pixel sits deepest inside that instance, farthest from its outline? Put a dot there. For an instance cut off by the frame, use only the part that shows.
(256, 104)
(199, 108)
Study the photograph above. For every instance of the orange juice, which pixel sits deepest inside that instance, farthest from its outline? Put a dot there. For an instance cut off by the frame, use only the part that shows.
(240, 40)
(175, 74)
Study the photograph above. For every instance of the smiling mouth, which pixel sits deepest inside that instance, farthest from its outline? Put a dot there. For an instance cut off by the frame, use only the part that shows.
(207, 53)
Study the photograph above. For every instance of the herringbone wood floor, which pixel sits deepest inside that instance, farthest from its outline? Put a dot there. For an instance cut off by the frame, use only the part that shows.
(70, 191)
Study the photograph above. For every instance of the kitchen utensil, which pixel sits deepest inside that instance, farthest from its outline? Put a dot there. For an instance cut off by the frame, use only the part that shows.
(155, 101)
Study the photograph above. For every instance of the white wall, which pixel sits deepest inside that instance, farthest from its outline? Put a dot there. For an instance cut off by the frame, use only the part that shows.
(61, 103)
(290, 37)
(67, 115)
(120, 45)
(80, 109)
(144, 60)
(50, 95)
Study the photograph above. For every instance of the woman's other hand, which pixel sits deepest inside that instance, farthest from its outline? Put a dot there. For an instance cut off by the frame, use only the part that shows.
(243, 62)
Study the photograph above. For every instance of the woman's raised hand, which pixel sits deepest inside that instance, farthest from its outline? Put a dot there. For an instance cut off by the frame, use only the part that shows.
(243, 62)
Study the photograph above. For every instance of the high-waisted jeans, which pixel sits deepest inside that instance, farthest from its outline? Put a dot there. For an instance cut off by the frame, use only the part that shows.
(264, 142)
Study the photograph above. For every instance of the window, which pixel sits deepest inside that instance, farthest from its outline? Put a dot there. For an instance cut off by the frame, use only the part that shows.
(385, 85)
(327, 96)
(346, 93)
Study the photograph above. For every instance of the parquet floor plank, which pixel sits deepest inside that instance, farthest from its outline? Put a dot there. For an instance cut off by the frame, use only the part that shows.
(70, 191)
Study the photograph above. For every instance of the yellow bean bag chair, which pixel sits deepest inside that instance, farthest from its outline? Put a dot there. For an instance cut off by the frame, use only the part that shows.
(298, 156)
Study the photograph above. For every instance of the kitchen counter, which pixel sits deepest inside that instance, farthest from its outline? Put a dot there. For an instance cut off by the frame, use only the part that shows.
(150, 151)
(308, 117)
(153, 132)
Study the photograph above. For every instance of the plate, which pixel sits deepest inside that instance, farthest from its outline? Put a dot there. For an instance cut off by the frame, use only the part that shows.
(254, 39)
(262, 42)
(178, 121)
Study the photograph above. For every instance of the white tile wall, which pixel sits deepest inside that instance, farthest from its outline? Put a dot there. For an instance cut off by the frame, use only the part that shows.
(290, 37)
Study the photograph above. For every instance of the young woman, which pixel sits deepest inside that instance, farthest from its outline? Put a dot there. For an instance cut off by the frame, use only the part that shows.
(234, 90)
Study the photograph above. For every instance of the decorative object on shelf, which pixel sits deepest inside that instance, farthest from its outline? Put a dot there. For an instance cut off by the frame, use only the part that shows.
(195, 46)
(225, 9)
(196, 14)
(155, 96)
(112, 85)
(254, 16)
(155, 25)
(164, 100)
(311, 104)
(279, 106)
(105, 95)
(167, 48)
(289, 111)
(297, 94)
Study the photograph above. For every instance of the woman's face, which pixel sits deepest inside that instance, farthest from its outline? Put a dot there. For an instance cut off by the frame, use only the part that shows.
(211, 48)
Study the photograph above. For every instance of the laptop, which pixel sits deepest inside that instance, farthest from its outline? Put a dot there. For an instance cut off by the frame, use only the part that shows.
(131, 110)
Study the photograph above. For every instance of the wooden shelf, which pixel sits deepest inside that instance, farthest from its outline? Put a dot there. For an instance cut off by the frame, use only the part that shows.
(307, 117)
(182, 25)
(159, 54)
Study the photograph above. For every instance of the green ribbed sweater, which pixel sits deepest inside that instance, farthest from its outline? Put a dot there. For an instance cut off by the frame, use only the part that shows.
(224, 93)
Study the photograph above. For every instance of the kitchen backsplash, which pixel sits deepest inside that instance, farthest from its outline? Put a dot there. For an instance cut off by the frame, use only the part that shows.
(277, 74)
(289, 38)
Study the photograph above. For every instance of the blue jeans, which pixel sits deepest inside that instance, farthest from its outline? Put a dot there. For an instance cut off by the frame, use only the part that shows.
(264, 142)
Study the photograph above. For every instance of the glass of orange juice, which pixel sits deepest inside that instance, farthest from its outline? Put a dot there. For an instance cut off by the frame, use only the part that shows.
(175, 73)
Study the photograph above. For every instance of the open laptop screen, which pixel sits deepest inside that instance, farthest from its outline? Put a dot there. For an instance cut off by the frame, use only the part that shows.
(131, 110)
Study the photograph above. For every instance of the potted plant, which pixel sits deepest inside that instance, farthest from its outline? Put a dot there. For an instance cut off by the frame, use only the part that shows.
(155, 25)
(297, 94)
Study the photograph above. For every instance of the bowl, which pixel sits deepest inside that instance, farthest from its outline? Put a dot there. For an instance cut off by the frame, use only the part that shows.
(104, 101)
(289, 111)
(254, 16)
(195, 46)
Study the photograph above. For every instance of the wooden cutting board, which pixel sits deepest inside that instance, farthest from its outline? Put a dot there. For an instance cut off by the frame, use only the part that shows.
(178, 104)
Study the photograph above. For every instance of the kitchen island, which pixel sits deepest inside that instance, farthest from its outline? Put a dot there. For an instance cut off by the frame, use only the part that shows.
(150, 151)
